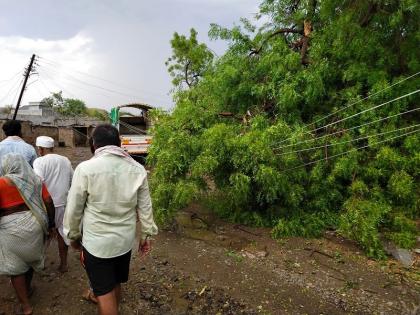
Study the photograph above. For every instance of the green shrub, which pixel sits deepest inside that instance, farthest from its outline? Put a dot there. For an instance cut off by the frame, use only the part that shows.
(404, 231)
(401, 187)
(361, 221)
(304, 224)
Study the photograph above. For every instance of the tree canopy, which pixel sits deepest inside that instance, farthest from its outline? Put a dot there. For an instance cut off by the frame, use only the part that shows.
(293, 126)
(71, 107)
(66, 106)
(189, 59)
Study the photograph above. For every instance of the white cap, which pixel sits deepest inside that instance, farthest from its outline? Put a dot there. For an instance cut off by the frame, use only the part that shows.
(45, 142)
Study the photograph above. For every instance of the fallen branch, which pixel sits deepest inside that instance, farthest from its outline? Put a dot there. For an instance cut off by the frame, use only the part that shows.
(313, 250)
(239, 227)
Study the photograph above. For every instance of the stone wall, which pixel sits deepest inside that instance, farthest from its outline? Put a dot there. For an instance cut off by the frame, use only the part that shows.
(67, 136)
(31, 132)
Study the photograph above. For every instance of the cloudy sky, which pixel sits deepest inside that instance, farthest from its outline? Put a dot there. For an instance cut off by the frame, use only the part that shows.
(105, 52)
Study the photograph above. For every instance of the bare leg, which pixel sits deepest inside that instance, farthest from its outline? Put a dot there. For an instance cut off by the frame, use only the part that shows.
(62, 251)
(28, 279)
(20, 285)
(118, 293)
(108, 304)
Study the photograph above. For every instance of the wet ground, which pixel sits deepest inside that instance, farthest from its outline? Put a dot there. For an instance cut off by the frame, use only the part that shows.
(205, 266)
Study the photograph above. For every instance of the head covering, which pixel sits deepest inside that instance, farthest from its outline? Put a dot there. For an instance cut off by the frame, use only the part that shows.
(19, 172)
(45, 142)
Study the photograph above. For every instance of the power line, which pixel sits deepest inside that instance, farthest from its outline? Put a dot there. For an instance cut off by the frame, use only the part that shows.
(80, 84)
(16, 82)
(17, 92)
(359, 113)
(365, 98)
(55, 63)
(58, 86)
(352, 150)
(352, 104)
(13, 77)
(348, 129)
(348, 141)
(367, 110)
(156, 96)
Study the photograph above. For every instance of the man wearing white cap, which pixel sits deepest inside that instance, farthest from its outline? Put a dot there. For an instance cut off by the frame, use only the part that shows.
(56, 172)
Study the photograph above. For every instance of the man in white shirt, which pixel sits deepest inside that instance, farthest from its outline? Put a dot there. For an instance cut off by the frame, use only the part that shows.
(56, 172)
(108, 193)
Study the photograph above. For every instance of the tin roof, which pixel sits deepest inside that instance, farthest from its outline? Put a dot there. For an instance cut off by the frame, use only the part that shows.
(137, 105)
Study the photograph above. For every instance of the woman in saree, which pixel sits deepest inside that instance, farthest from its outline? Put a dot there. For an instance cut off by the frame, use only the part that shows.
(26, 220)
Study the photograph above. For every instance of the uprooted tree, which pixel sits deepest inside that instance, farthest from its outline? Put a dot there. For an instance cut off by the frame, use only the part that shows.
(246, 137)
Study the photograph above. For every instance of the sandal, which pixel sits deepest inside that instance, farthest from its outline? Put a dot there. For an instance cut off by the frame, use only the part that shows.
(90, 296)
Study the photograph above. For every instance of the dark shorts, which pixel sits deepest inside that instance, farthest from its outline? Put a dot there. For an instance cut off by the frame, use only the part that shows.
(106, 273)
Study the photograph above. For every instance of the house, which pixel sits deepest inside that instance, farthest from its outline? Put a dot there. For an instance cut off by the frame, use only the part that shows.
(39, 109)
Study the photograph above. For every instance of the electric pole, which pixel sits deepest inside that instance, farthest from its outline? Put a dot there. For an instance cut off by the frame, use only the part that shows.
(27, 74)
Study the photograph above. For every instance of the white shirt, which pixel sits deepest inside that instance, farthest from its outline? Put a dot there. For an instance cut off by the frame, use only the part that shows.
(107, 194)
(56, 172)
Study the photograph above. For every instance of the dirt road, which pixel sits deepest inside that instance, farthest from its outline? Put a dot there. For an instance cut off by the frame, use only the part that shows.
(206, 266)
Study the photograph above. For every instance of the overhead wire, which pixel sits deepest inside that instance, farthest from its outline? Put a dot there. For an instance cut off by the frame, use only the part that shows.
(350, 105)
(17, 92)
(114, 91)
(128, 126)
(365, 98)
(12, 78)
(55, 64)
(348, 141)
(360, 113)
(75, 84)
(14, 85)
(367, 110)
(348, 129)
(349, 151)
(58, 86)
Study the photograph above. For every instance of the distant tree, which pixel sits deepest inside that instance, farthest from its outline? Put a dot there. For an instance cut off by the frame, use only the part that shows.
(55, 100)
(189, 59)
(65, 106)
(7, 109)
(97, 113)
(73, 107)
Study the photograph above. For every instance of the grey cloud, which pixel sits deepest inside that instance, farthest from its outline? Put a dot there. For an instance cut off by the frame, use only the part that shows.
(131, 37)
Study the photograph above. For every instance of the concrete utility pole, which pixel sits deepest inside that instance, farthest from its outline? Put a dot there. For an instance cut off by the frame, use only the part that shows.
(27, 74)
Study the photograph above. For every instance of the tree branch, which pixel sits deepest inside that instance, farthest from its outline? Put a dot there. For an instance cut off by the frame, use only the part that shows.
(275, 33)
(373, 8)
(186, 73)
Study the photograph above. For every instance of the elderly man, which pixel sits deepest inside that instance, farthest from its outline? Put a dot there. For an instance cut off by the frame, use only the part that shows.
(56, 172)
(14, 142)
(109, 191)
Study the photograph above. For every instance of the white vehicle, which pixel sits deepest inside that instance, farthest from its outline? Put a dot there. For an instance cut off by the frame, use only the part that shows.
(133, 129)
